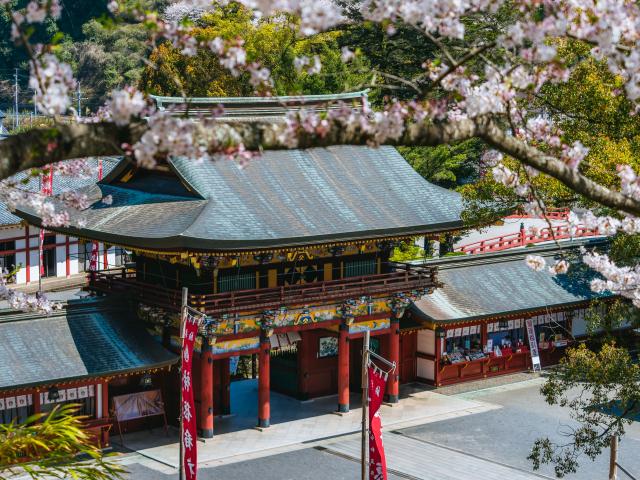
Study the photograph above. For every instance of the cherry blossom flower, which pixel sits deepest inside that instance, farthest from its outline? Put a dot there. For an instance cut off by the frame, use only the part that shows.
(560, 267)
(535, 262)
(125, 104)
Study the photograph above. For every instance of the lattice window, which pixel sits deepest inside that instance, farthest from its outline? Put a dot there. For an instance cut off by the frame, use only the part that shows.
(232, 281)
(356, 268)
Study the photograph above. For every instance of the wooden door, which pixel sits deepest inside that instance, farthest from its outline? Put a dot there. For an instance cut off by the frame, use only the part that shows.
(408, 348)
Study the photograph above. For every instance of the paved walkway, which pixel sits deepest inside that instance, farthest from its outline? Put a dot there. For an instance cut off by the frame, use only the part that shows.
(54, 284)
(419, 459)
(295, 423)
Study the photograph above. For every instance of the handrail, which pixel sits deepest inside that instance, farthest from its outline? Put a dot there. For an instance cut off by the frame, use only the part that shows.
(552, 213)
(267, 298)
(521, 239)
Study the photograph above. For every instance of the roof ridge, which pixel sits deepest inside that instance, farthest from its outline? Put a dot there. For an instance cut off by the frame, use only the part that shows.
(160, 99)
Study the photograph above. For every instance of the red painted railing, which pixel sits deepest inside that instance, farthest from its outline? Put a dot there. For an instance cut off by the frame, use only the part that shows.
(551, 213)
(404, 278)
(522, 238)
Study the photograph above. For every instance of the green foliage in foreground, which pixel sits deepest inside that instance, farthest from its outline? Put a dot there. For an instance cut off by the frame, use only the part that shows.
(55, 445)
(601, 390)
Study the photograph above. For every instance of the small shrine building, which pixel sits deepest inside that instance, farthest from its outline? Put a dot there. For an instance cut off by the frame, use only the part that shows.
(85, 353)
(474, 325)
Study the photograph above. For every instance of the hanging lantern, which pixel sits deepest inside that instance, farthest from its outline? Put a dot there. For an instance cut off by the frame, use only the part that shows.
(53, 395)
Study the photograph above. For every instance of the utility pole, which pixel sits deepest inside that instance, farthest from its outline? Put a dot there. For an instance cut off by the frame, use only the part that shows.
(16, 121)
(79, 96)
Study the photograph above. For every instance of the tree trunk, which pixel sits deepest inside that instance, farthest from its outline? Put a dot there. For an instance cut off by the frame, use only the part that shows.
(613, 470)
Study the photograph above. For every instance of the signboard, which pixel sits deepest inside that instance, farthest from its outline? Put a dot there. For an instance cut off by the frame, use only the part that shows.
(533, 346)
(138, 405)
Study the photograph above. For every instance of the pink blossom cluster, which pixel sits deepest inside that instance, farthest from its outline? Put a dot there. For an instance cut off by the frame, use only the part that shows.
(24, 302)
(53, 82)
(623, 281)
(36, 12)
(125, 104)
(538, 263)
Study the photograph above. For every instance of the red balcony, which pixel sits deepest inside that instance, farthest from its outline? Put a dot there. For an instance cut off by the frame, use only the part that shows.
(404, 278)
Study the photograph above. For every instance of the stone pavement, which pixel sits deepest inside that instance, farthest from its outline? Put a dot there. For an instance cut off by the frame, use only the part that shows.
(419, 459)
(295, 423)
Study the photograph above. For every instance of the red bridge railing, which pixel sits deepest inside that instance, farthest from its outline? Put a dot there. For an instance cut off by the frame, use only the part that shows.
(522, 239)
(552, 213)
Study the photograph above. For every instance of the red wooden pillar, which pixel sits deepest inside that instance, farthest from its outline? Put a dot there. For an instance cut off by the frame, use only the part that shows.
(264, 407)
(105, 256)
(36, 401)
(343, 369)
(105, 400)
(206, 390)
(441, 334)
(394, 355)
(67, 249)
(27, 246)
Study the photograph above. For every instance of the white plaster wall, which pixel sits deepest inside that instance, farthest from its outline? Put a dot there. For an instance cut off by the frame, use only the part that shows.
(427, 341)
(426, 369)
(73, 253)
(61, 257)
(61, 254)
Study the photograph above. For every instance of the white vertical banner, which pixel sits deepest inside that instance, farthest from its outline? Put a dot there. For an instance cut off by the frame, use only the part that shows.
(533, 346)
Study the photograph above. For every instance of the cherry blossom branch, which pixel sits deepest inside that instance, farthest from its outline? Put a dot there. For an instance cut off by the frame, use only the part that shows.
(40, 147)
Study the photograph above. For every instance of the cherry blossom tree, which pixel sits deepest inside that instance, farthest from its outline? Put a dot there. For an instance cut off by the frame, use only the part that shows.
(474, 88)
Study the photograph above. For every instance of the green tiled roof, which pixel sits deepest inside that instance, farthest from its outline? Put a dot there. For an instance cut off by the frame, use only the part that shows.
(281, 199)
(86, 340)
(477, 286)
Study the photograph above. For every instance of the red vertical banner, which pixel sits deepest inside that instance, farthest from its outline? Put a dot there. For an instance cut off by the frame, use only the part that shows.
(95, 248)
(189, 447)
(46, 189)
(377, 460)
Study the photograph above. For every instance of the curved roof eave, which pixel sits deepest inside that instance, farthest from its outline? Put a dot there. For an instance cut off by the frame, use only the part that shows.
(183, 242)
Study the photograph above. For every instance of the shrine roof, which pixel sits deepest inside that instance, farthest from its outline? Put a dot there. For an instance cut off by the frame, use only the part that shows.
(61, 183)
(281, 199)
(85, 340)
(494, 284)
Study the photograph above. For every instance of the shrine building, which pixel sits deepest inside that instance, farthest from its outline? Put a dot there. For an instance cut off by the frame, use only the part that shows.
(288, 253)
(289, 259)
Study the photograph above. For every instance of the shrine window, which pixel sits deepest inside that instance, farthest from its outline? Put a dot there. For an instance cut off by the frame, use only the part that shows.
(7, 256)
(357, 268)
(16, 408)
(236, 280)
(507, 336)
(83, 397)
